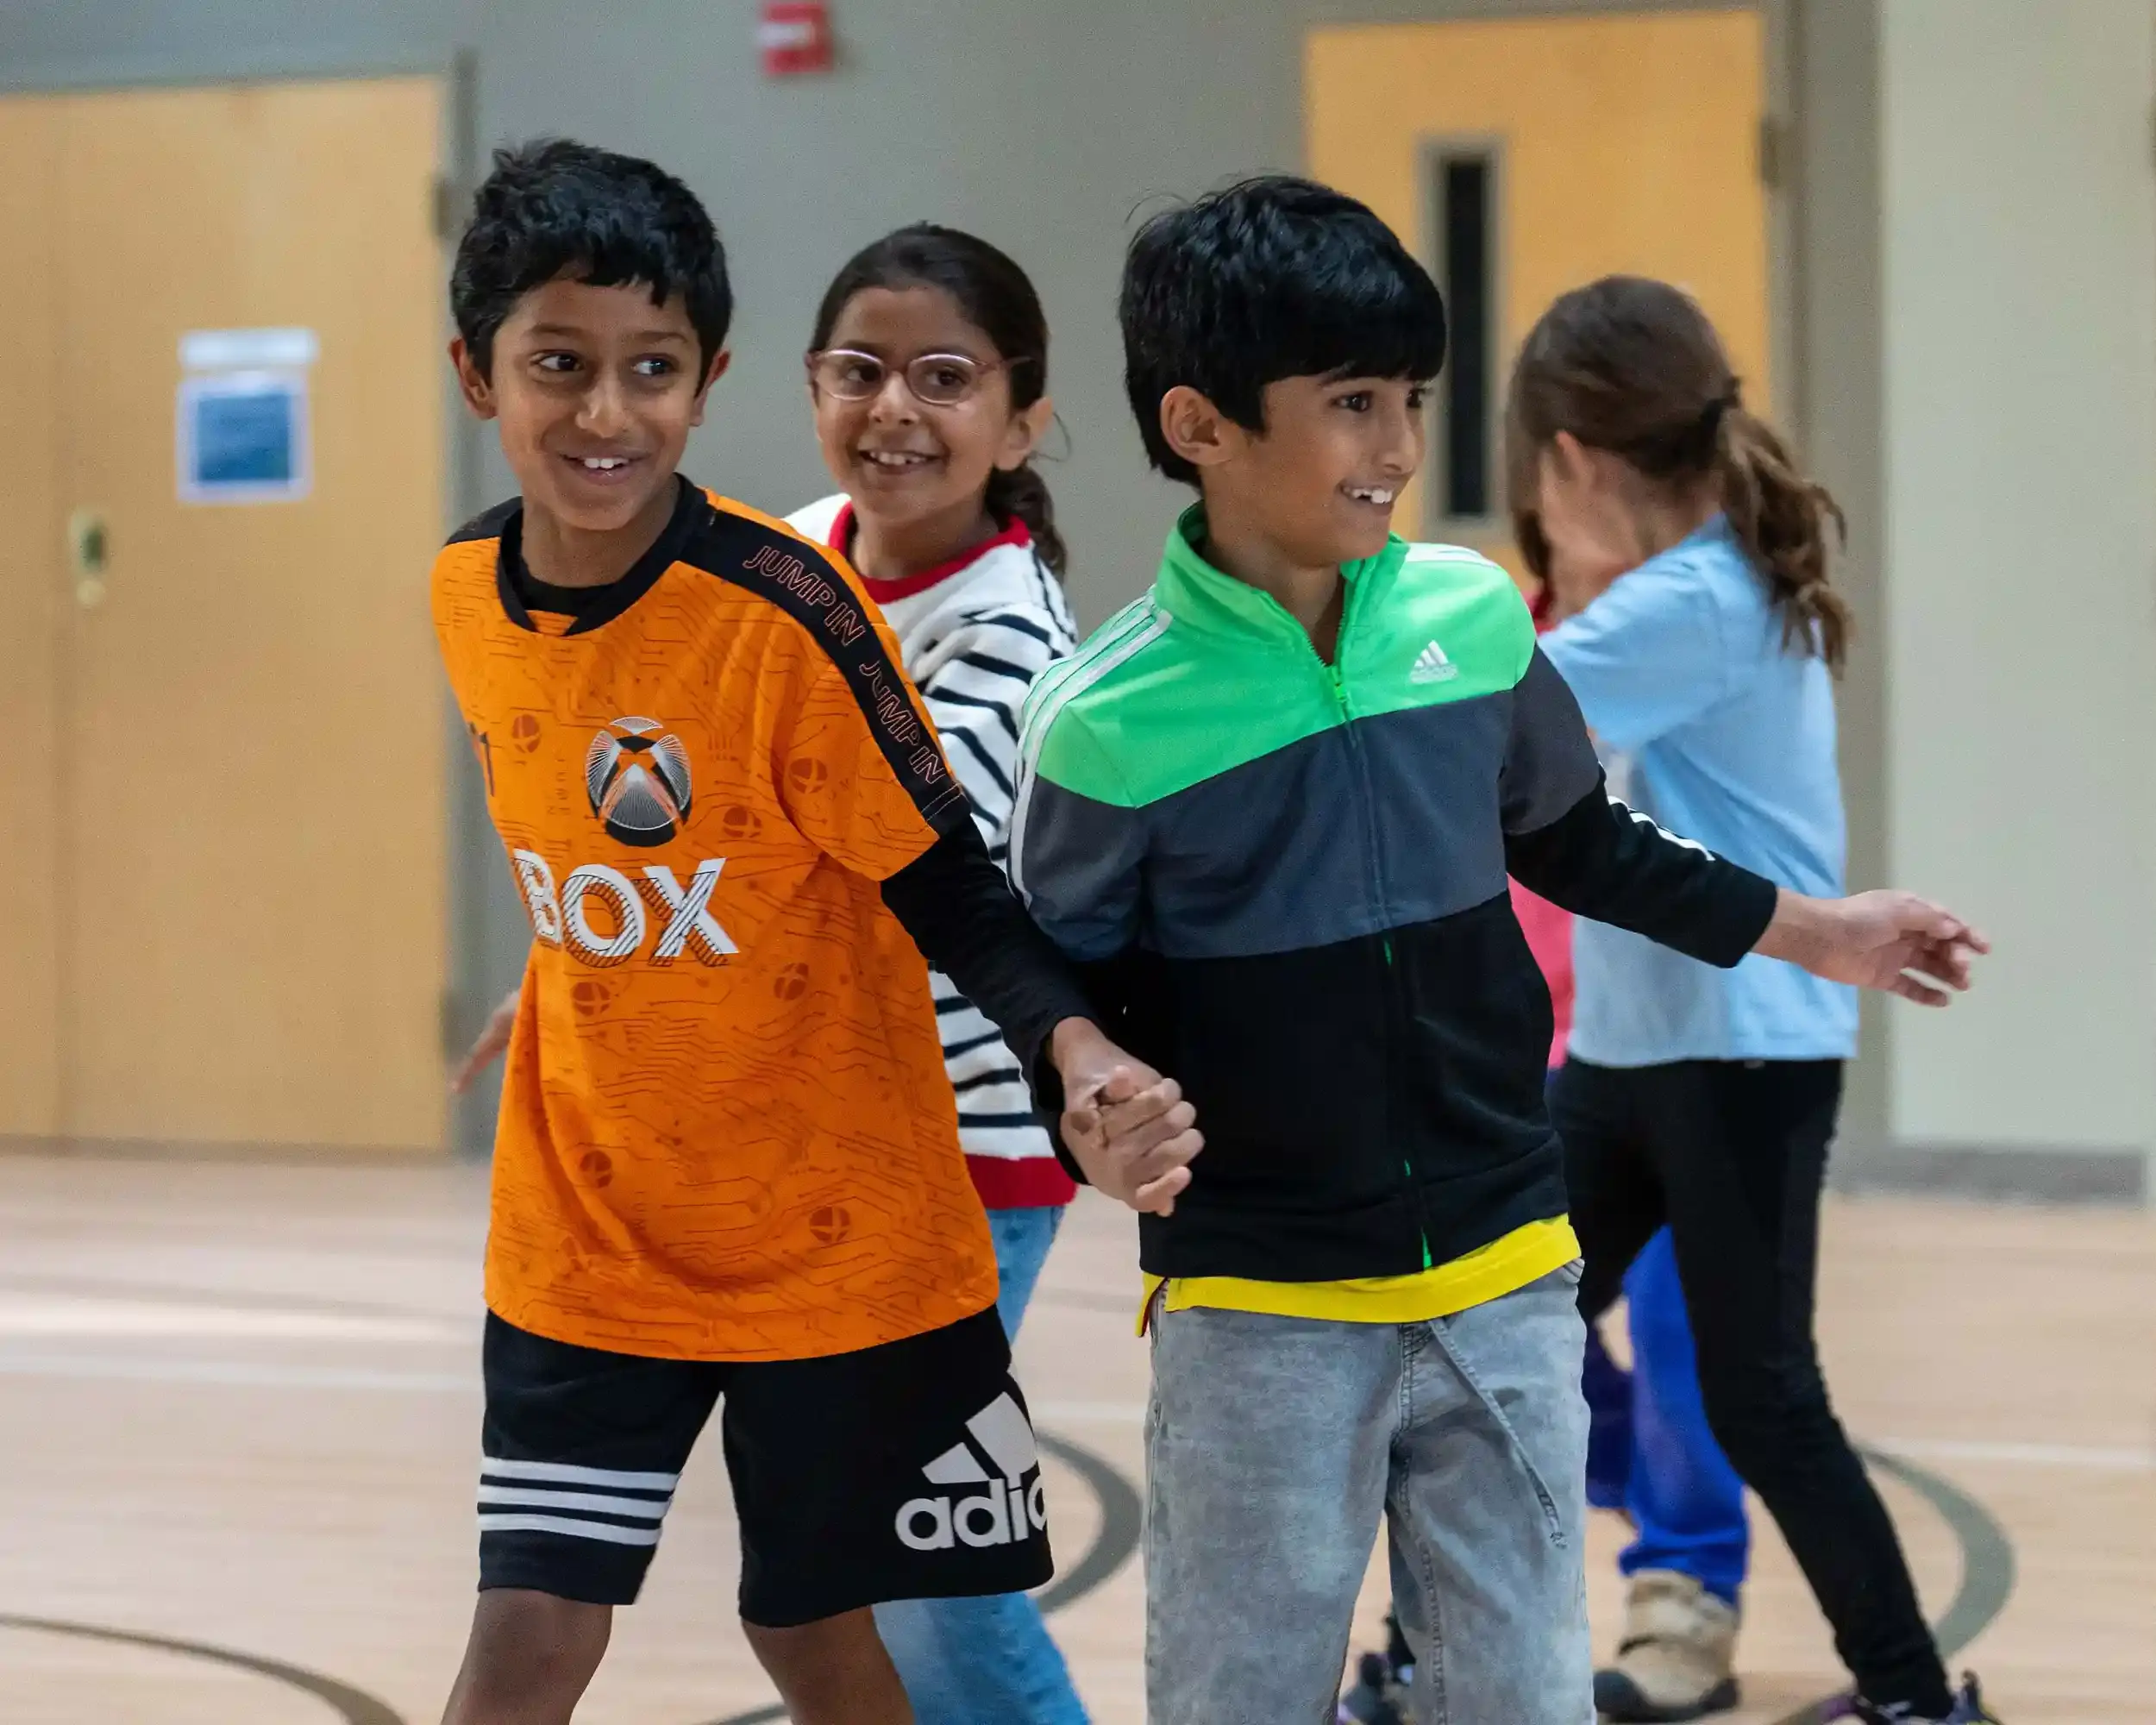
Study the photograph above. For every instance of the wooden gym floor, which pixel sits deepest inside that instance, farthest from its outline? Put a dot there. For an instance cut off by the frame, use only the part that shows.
(239, 1410)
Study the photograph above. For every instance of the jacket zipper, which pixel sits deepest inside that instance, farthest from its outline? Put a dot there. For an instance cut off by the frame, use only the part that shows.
(1396, 1005)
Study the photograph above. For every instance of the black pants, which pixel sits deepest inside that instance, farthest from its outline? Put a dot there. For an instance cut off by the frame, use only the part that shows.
(1733, 1156)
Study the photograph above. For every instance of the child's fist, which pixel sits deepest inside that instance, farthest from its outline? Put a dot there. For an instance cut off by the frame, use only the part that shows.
(1127, 1127)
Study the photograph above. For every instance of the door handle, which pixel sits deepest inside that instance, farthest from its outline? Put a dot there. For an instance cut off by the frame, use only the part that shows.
(89, 548)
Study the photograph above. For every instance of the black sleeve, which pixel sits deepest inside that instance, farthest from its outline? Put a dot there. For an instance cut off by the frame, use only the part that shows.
(1133, 1002)
(1565, 839)
(1601, 861)
(954, 901)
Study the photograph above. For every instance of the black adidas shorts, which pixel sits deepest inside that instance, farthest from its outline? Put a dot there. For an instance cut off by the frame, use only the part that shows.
(904, 1471)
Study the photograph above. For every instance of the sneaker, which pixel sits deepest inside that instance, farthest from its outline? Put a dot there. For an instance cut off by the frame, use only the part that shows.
(1380, 1695)
(1675, 1661)
(1968, 1710)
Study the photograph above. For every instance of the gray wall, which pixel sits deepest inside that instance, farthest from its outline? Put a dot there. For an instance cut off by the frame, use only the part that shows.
(1831, 301)
(90, 44)
(2020, 339)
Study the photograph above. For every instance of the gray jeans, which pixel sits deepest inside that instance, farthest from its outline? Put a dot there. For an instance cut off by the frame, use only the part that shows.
(1272, 1443)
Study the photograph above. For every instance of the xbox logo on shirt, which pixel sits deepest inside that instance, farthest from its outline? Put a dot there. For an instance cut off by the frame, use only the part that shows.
(637, 775)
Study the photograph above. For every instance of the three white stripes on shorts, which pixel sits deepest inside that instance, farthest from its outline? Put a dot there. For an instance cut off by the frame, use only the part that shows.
(547, 1497)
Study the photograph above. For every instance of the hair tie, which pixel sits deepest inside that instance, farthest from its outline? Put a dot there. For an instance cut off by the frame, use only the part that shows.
(1728, 401)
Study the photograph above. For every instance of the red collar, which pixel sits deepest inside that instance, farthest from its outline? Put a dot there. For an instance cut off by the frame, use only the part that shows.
(883, 593)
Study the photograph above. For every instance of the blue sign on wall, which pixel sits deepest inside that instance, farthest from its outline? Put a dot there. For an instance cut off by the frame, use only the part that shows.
(243, 434)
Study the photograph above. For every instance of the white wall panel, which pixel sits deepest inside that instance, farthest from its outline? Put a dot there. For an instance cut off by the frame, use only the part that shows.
(2019, 342)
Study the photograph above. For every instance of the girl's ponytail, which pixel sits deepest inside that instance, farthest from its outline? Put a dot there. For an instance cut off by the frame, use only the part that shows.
(1782, 517)
(1021, 494)
(1633, 366)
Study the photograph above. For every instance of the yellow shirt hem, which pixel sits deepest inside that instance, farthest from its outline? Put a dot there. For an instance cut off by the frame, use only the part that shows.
(1489, 1272)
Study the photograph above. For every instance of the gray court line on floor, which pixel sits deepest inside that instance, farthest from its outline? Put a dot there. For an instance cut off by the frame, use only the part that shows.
(1987, 1560)
(353, 1706)
(1987, 1564)
(1120, 1521)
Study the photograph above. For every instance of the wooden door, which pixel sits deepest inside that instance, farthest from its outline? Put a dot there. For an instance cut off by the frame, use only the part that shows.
(247, 900)
(30, 532)
(1623, 142)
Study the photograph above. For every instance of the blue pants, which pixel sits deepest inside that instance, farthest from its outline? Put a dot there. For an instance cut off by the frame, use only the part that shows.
(987, 1661)
(1652, 1453)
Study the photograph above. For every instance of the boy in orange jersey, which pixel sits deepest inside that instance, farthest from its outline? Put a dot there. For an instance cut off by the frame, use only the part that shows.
(728, 1160)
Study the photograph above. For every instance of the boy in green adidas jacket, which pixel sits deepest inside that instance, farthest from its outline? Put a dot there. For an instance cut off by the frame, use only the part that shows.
(1272, 805)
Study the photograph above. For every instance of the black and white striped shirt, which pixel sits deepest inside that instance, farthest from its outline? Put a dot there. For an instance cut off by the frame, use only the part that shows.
(973, 636)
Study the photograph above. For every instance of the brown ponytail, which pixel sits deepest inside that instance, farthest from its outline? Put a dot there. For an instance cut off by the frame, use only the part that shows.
(1021, 494)
(1632, 366)
(1780, 516)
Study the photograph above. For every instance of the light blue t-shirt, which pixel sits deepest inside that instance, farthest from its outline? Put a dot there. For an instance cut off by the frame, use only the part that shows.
(1710, 724)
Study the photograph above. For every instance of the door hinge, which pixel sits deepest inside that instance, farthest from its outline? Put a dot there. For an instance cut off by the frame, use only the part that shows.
(1772, 151)
(450, 204)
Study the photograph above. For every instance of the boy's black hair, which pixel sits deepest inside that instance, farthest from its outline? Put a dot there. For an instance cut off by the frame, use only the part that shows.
(555, 208)
(1272, 277)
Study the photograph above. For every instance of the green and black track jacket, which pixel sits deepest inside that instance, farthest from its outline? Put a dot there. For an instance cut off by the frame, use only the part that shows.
(1287, 880)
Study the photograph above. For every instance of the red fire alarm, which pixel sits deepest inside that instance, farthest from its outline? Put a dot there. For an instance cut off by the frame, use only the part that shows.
(795, 36)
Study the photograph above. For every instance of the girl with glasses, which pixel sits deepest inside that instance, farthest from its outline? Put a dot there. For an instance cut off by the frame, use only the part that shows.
(928, 375)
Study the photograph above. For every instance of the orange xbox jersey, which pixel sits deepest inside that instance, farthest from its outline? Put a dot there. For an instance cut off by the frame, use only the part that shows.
(725, 1129)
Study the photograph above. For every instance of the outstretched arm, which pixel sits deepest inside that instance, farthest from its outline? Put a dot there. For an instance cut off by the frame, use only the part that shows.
(1127, 1127)
(1567, 840)
(1892, 941)
(1601, 859)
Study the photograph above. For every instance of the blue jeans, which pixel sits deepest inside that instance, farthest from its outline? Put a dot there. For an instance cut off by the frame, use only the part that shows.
(1684, 1498)
(1274, 1446)
(987, 1661)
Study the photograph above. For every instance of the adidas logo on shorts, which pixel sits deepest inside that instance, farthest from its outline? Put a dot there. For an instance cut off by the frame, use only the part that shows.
(1004, 1511)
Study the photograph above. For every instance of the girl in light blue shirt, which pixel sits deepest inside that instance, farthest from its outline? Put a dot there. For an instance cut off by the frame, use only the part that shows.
(1688, 557)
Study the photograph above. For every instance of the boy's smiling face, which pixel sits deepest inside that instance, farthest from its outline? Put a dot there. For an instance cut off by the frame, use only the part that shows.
(1320, 481)
(595, 390)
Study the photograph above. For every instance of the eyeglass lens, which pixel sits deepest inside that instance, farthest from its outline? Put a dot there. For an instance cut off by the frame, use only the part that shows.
(937, 379)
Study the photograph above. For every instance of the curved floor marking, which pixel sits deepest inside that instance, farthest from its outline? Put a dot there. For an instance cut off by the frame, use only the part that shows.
(1122, 1521)
(1122, 1517)
(1987, 1555)
(1988, 1569)
(1987, 1564)
(353, 1706)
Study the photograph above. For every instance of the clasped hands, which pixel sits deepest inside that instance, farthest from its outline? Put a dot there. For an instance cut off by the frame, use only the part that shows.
(1127, 1127)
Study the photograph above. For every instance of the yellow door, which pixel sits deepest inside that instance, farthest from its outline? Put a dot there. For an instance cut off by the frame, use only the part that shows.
(243, 793)
(30, 598)
(1620, 143)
